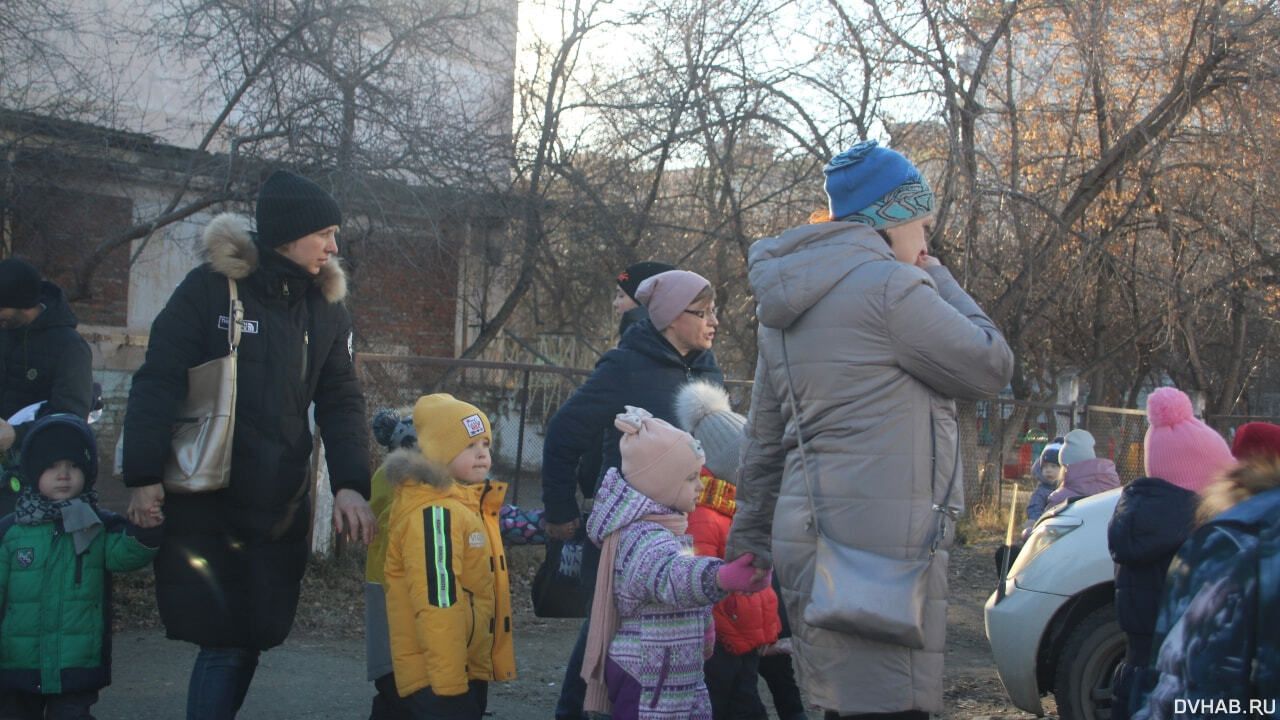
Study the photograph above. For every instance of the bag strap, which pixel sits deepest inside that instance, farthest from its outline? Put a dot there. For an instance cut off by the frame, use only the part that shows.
(235, 315)
(941, 508)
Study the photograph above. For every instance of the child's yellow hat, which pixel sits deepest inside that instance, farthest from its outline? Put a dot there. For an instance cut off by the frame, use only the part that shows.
(446, 426)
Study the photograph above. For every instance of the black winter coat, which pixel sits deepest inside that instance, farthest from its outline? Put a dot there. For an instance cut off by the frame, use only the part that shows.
(46, 360)
(1151, 520)
(294, 349)
(644, 371)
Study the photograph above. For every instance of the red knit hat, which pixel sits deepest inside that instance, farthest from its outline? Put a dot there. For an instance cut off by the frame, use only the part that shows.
(1256, 438)
(1179, 448)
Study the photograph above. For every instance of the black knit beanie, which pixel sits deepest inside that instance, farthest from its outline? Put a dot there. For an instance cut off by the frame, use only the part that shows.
(291, 206)
(19, 284)
(59, 437)
(637, 273)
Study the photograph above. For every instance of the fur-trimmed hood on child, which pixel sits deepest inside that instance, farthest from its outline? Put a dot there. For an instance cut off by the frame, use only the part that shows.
(408, 465)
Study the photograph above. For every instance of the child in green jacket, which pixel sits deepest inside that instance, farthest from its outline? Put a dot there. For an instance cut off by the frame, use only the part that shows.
(57, 551)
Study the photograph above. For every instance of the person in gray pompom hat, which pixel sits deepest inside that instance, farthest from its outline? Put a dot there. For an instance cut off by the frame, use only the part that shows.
(703, 410)
(748, 629)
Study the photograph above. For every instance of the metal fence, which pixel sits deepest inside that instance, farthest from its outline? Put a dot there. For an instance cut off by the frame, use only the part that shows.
(1000, 438)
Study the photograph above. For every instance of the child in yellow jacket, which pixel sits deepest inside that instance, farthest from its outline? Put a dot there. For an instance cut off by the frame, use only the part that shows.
(445, 573)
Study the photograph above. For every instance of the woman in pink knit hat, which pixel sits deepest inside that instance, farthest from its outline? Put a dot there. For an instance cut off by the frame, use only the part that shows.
(1153, 517)
(653, 359)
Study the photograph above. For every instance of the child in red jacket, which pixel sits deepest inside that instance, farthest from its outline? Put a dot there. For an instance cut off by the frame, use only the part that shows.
(743, 623)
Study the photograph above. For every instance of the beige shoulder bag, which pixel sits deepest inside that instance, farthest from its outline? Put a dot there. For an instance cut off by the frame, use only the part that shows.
(204, 424)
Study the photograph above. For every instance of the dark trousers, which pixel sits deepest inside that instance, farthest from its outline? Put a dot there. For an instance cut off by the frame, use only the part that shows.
(1122, 685)
(470, 705)
(387, 704)
(60, 706)
(902, 715)
(219, 682)
(1004, 557)
(732, 681)
(780, 676)
(573, 691)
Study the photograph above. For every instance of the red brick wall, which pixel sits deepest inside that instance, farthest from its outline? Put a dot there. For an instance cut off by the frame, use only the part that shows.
(54, 228)
(403, 292)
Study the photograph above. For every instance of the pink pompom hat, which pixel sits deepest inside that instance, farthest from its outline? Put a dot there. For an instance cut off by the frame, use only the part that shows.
(1179, 448)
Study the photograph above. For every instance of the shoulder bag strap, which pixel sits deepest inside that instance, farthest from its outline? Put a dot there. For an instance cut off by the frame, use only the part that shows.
(795, 413)
(940, 508)
(235, 316)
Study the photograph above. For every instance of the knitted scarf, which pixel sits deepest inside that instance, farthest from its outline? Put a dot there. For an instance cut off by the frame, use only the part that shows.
(604, 613)
(77, 515)
(717, 494)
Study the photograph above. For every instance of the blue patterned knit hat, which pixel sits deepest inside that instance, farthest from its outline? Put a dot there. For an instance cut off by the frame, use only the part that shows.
(876, 186)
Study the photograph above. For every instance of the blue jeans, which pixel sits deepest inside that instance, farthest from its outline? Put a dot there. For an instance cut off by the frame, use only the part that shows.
(573, 691)
(219, 682)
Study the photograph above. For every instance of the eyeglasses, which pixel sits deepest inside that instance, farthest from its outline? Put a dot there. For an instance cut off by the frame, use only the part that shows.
(702, 314)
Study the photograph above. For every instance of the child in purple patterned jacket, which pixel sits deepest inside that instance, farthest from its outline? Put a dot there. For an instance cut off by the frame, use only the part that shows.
(651, 618)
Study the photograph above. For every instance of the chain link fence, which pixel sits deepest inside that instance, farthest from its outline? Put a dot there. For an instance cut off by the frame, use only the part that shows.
(1000, 438)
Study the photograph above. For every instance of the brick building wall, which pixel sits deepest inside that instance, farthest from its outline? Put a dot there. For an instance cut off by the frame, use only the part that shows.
(404, 293)
(55, 227)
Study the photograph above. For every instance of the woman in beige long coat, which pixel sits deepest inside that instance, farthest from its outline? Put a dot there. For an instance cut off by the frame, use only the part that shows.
(880, 341)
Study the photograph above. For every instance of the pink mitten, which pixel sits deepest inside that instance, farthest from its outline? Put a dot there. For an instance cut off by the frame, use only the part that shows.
(737, 575)
(709, 641)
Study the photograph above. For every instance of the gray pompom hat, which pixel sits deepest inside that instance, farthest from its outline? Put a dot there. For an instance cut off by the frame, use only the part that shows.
(703, 410)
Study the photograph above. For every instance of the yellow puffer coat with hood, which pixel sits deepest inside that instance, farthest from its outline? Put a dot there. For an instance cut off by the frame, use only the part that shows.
(445, 576)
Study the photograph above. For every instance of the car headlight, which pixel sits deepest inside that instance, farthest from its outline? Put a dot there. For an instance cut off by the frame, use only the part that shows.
(1044, 535)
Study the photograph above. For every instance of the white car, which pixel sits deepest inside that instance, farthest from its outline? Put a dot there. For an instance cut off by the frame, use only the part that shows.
(1052, 626)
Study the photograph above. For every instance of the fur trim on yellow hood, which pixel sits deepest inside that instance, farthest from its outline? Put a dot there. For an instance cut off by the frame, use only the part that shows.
(408, 464)
(231, 251)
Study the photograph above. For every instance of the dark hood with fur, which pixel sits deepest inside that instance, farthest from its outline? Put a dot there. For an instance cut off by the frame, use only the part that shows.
(232, 250)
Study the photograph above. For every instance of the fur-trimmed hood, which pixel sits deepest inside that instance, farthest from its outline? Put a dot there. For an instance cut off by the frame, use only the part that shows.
(1252, 476)
(409, 465)
(231, 251)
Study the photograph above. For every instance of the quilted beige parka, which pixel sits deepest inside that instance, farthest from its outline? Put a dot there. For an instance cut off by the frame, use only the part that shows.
(878, 351)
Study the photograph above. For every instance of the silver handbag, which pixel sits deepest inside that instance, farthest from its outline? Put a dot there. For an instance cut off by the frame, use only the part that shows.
(204, 424)
(859, 592)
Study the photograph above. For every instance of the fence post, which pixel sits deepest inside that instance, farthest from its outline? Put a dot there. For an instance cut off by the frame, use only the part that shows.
(1068, 394)
(524, 408)
(1197, 398)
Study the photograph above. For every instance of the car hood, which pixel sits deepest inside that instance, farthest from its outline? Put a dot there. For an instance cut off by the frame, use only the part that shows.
(1079, 559)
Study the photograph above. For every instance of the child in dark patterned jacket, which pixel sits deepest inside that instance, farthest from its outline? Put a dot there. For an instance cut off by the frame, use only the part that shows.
(1216, 649)
(650, 623)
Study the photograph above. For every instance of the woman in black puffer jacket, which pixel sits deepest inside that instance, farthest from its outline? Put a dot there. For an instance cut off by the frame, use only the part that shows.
(230, 568)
